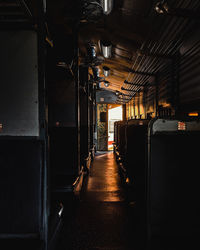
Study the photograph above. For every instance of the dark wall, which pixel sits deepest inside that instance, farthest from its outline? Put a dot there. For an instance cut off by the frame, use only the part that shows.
(177, 89)
(189, 76)
(62, 96)
(173, 178)
(21, 187)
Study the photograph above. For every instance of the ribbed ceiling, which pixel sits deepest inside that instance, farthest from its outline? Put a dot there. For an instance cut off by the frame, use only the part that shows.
(143, 41)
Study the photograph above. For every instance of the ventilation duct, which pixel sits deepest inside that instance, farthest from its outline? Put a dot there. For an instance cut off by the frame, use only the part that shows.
(107, 6)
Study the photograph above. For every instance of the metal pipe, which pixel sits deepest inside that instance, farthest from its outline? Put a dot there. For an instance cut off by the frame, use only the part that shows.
(141, 73)
(25, 8)
(122, 88)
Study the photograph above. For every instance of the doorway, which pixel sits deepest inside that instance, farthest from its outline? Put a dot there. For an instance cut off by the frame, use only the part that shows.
(114, 114)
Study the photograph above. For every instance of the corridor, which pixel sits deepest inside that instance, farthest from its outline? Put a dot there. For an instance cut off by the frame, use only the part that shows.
(105, 217)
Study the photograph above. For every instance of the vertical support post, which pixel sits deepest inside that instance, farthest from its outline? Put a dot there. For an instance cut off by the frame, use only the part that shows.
(85, 114)
(41, 65)
(77, 107)
(138, 94)
(145, 101)
(41, 7)
(124, 112)
(88, 113)
(95, 118)
(157, 95)
(77, 98)
(91, 122)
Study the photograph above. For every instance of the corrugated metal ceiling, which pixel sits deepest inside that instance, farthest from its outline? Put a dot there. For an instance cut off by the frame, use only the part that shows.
(143, 40)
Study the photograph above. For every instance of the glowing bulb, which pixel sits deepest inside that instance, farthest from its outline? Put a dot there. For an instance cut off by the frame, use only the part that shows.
(106, 84)
(107, 6)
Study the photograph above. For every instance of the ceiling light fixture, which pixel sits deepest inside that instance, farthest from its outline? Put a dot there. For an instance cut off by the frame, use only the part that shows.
(93, 50)
(106, 84)
(106, 71)
(162, 7)
(106, 48)
(107, 6)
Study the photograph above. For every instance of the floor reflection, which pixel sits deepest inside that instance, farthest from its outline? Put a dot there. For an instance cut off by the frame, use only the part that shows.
(104, 180)
(103, 218)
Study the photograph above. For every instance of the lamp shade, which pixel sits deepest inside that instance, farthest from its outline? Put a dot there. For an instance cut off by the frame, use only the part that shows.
(106, 48)
(106, 84)
(107, 6)
(106, 71)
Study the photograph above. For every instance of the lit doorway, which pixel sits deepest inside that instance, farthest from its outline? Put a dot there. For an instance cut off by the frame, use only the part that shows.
(114, 114)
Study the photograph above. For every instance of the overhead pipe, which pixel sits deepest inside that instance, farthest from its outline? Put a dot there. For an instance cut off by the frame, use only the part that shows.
(138, 85)
(133, 84)
(130, 90)
(168, 48)
(122, 94)
(26, 8)
(154, 52)
(121, 102)
(141, 73)
(154, 55)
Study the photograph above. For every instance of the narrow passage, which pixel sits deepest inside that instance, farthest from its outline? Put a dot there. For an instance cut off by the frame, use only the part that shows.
(104, 218)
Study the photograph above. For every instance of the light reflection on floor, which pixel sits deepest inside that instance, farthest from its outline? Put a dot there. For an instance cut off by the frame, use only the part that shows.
(104, 180)
(103, 217)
